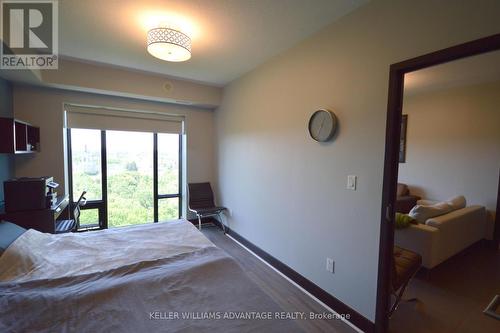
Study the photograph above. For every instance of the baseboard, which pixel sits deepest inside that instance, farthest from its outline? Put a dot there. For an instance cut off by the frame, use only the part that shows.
(338, 306)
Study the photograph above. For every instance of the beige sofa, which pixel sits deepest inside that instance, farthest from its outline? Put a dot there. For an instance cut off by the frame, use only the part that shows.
(443, 236)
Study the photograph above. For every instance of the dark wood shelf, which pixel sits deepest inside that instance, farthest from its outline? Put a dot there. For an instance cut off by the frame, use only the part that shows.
(43, 220)
(18, 137)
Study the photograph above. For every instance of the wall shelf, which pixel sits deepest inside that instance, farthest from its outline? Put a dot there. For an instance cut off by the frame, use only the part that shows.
(18, 137)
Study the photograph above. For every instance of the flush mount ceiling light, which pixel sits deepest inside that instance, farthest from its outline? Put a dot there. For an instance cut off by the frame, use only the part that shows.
(169, 44)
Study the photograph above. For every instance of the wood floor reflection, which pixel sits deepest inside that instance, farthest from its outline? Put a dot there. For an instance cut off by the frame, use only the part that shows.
(289, 297)
(452, 296)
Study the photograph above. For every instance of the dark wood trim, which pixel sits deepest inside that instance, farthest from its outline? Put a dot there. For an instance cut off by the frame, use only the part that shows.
(355, 317)
(393, 131)
(496, 233)
(393, 125)
(469, 49)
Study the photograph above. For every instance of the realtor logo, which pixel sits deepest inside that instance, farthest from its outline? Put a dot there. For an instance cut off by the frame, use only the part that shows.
(29, 34)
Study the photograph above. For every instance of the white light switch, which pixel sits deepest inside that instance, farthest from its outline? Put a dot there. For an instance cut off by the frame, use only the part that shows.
(351, 182)
(330, 265)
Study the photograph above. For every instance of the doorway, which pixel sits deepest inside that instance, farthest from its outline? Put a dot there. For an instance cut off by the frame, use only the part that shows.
(392, 157)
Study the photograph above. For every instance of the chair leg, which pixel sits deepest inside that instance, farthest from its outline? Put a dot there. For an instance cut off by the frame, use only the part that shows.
(222, 223)
(399, 296)
(396, 301)
(199, 222)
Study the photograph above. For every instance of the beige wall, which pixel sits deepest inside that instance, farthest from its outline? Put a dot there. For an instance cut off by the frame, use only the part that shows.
(453, 144)
(287, 193)
(44, 107)
(98, 78)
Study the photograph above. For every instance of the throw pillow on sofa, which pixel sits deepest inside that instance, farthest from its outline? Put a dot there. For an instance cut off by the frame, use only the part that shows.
(404, 221)
(457, 202)
(422, 213)
(426, 202)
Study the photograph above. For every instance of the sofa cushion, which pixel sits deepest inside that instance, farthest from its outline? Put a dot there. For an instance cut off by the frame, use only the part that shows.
(425, 202)
(457, 202)
(402, 190)
(422, 213)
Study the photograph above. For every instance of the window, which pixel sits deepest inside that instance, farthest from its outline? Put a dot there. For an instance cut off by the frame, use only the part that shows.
(86, 154)
(168, 209)
(168, 163)
(89, 218)
(130, 177)
(87, 174)
(169, 186)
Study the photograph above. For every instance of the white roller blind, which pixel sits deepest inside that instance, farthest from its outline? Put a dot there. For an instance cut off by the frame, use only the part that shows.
(122, 120)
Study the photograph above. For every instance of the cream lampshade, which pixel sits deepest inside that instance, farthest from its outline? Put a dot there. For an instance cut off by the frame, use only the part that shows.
(169, 44)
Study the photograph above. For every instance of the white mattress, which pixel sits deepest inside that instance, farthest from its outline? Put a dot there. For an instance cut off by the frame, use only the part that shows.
(36, 255)
(119, 279)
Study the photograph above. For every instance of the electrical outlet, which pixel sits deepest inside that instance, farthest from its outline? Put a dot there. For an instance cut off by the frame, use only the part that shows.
(351, 182)
(330, 265)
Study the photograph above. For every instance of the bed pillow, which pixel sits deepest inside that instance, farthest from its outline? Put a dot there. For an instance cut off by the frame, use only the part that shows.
(422, 213)
(9, 232)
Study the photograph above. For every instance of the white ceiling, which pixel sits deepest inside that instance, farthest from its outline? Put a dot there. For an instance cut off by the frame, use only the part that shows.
(464, 72)
(230, 37)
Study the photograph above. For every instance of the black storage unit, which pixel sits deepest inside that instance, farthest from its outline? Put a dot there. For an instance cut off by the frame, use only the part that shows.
(18, 137)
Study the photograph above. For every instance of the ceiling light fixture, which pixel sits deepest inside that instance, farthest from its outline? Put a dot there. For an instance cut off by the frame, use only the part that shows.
(169, 44)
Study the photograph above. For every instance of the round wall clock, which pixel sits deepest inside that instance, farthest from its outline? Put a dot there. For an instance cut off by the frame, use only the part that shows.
(322, 125)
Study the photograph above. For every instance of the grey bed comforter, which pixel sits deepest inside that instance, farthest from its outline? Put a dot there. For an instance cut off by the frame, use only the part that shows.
(198, 289)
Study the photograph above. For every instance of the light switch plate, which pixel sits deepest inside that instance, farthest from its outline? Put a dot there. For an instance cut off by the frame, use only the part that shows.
(330, 264)
(351, 182)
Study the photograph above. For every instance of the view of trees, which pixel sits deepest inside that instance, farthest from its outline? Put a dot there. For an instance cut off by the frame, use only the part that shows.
(130, 175)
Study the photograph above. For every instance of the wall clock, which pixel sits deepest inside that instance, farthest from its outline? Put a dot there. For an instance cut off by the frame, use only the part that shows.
(322, 125)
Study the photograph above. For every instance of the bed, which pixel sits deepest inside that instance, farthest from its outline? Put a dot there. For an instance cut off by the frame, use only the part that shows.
(161, 277)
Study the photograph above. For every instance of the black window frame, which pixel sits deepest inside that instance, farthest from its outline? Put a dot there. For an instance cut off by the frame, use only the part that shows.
(102, 204)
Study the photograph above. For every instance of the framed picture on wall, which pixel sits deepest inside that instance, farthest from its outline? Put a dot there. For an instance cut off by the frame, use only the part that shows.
(402, 139)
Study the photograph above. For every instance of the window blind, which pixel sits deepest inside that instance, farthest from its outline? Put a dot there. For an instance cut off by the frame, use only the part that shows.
(90, 117)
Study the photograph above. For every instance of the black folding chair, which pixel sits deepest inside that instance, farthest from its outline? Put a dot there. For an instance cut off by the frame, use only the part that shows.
(63, 226)
(201, 202)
